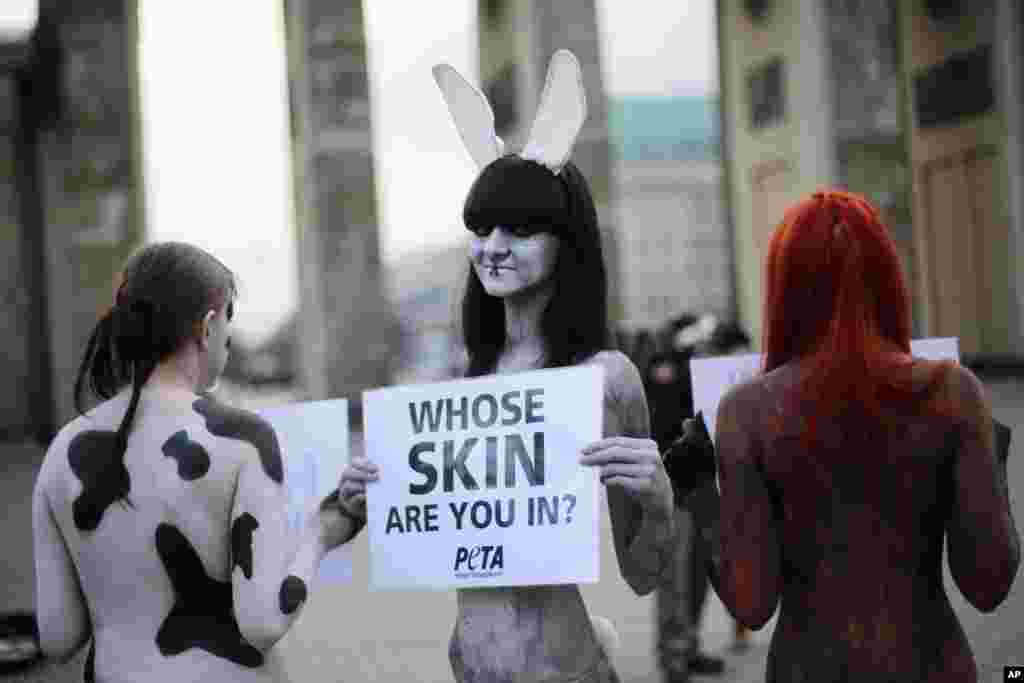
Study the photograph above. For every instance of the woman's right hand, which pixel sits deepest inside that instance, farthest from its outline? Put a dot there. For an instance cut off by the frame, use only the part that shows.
(352, 489)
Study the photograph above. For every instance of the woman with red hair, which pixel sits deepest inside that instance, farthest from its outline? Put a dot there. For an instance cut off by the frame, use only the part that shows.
(843, 466)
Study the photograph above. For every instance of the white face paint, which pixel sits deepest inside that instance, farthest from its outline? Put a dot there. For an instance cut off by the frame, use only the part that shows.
(513, 261)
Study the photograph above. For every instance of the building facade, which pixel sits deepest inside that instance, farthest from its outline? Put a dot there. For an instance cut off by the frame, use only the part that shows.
(426, 289)
(675, 252)
(915, 104)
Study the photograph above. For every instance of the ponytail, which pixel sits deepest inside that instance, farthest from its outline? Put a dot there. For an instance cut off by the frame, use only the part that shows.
(140, 375)
(121, 348)
(99, 367)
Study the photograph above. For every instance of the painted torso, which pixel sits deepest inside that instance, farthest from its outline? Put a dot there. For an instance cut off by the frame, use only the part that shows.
(863, 597)
(157, 575)
(533, 634)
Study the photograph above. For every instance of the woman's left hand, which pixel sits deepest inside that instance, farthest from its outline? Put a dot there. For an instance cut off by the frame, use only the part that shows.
(690, 460)
(636, 466)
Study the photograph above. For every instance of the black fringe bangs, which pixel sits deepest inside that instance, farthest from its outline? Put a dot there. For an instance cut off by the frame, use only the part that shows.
(513, 191)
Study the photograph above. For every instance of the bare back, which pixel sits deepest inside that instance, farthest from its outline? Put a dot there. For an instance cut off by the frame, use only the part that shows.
(860, 539)
(156, 581)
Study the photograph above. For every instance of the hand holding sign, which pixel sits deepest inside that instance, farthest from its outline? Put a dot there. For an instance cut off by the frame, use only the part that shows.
(690, 460)
(314, 443)
(636, 466)
(475, 482)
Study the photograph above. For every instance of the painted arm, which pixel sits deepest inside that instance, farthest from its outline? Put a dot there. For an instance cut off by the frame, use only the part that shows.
(640, 505)
(984, 548)
(64, 622)
(738, 525)
(272, 565)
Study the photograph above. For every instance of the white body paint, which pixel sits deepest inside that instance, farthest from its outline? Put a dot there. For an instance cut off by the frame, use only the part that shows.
(111, 583)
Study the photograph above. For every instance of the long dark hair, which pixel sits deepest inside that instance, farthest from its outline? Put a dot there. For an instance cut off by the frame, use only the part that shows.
(165, 291)
(514, 191)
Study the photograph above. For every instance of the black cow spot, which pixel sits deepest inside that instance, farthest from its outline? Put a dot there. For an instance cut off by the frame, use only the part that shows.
(232, 423)
(203, 616)
(293, 594)
(193, 460)
(94, 459)
(241, 542)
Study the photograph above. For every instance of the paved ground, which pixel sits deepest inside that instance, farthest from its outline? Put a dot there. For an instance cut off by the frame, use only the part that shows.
(349, 634)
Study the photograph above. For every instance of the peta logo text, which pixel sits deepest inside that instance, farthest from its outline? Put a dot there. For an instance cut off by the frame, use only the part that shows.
(479, 558)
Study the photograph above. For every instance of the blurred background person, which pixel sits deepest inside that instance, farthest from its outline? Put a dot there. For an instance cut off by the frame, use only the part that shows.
(682, 595)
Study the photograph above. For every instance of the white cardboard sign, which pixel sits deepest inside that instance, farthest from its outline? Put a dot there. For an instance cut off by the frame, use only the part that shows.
(480, 482)
(313, 437)
(712, 377)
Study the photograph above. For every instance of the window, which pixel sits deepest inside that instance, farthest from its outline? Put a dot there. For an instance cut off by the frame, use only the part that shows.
(767, 94)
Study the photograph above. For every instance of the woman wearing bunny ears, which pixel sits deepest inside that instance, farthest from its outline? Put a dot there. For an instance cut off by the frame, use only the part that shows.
(536, 298)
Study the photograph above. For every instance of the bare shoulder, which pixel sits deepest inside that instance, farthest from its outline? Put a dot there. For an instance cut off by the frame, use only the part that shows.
(55, 462)
(625, 404)
(957, 379)
(622, 379)
(246, 427)
(747, 392)
(964, 392)
(747, 405)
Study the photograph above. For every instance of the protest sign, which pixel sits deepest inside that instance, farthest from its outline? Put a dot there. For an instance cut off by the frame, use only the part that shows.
(480, 482)
(712, 377)
(313, 437)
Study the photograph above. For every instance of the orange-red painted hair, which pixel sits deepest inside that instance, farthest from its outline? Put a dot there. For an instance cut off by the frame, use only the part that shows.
(835, 293)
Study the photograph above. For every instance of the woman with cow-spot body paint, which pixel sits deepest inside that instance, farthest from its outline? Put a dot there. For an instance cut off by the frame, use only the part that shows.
(536, 298)
(845, 467)
(160, 515)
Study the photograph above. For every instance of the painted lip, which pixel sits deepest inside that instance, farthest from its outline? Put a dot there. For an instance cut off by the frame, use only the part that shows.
(494, 269)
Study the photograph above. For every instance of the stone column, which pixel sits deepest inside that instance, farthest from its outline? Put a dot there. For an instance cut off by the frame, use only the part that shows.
(1010, 54)
(813, 103)
(90, 170)
(573, 26)
(346, 333)
(16, 366)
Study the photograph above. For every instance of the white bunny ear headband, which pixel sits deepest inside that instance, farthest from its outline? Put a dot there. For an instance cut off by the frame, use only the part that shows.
(563, 109)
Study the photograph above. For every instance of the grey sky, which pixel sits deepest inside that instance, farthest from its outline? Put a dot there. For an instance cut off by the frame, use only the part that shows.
(658, 47)
(217, 158)
(215, 122)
